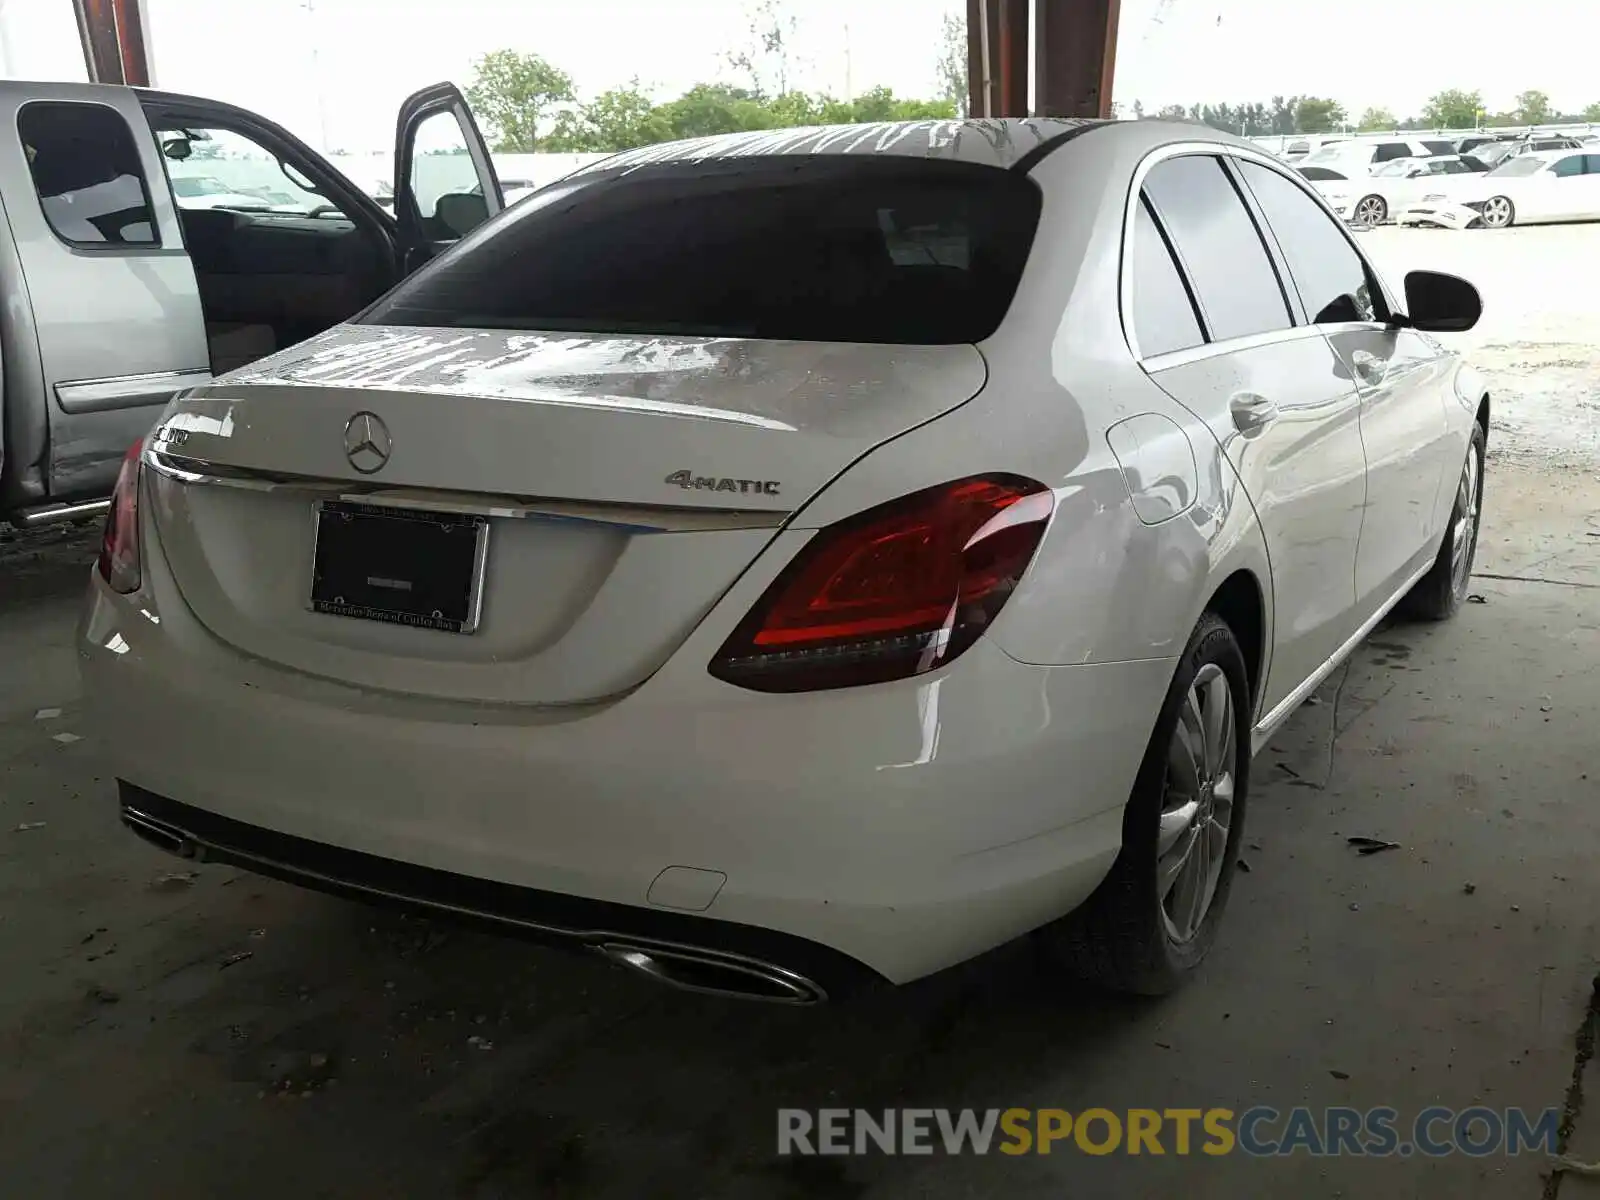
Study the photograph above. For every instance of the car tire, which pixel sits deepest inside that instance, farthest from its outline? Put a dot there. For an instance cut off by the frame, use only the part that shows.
(1498, 213)
(1135, 933)
(1440, 593)
(1369, 212)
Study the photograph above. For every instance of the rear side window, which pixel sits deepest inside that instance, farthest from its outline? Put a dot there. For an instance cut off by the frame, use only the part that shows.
(1439, 147)
(1389, 151)
(1333, 280)
(1164, 319)
(85, 167)
(1519, 165)
(811, 248)
(1592, 162)
(1216, 239)
(1321, 174)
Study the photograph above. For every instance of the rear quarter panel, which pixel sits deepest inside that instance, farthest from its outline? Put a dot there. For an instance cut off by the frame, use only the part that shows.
(1104, 586)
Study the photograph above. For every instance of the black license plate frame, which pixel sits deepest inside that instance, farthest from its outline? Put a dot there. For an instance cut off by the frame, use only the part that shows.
(396, 565)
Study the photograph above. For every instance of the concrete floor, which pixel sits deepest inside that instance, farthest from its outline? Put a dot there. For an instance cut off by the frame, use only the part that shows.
(167, 1036)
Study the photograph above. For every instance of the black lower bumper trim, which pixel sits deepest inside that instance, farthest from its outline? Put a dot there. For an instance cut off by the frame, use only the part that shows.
(505, 908)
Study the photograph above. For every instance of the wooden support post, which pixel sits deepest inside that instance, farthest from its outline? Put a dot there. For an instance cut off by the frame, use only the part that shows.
(983, 36)
(114, 45)
(1075, 43)
(1013, 57)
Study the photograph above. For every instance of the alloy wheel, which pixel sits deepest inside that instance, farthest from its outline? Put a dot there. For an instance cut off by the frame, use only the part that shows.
(1465, 530)
(1497, 213)
(1197, 808)
(1371, 211)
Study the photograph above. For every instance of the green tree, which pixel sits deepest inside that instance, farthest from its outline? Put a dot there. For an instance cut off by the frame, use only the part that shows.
(515, 95)
(1533, 108)
(1453, 109)
(881, 104)
(1316, 114)
(952, 65)
(795, 108)
(616, 120)
(1592, 113)
(1377, 118)
(711, 108)
(1172, 112)
(1281, 114)
(1138, 110)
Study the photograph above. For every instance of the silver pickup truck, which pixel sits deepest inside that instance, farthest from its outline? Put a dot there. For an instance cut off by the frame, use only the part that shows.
(149, 241)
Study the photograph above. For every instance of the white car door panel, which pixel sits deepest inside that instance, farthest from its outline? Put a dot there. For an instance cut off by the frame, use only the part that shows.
(1397, 376)
(1405, 430)
(1274, 397)
(1290, 425)
(1542, 197)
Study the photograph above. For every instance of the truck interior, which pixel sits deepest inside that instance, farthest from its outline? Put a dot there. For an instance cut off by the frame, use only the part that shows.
(283, 260)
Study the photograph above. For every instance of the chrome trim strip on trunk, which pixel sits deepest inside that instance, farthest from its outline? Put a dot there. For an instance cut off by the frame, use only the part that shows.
(627, 517)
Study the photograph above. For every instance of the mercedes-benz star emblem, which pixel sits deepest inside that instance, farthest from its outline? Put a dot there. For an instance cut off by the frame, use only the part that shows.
(366, 442)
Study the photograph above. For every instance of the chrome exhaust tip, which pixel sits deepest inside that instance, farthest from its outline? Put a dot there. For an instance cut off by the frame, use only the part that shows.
(716, 974)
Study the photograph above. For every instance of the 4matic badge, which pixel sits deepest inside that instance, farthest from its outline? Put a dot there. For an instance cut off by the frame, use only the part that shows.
(688, 480)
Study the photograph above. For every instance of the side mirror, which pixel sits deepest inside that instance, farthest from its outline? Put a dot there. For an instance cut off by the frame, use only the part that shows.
(1440, 303)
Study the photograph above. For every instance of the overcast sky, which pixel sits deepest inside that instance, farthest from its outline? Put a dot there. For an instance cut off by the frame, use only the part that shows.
(370, 53)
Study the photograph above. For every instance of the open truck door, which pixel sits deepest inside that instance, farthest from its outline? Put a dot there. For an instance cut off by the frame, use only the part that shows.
(445, 184)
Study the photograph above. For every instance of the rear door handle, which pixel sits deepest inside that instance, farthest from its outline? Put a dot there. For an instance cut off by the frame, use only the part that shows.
(1251, 413)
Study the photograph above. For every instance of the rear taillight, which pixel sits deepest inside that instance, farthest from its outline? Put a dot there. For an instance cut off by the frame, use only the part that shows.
(119, 548)
(895, 591)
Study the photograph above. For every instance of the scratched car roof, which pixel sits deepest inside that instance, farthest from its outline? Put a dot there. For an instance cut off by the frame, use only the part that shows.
(997, 142)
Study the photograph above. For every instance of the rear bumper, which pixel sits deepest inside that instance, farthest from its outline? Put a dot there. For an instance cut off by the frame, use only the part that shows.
(902, 827)
(758, 963)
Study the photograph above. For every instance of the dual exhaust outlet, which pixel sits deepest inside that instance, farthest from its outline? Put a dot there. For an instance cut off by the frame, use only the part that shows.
(710, 972)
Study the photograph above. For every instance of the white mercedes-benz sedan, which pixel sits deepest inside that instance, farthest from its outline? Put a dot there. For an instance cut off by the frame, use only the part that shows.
(1528, 189)
(787, 561)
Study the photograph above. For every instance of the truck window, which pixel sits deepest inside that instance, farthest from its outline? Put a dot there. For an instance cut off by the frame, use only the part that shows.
(218, 168)
(86, 169)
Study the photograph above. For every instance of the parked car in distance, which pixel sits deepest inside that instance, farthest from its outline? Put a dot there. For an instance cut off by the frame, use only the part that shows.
(153, 265)
(1364, 155)
(922, 627)
(1368, 200)
(1533, 188)
(206, 191)
(1466, 145)
(1295, 149)
(1495, 153)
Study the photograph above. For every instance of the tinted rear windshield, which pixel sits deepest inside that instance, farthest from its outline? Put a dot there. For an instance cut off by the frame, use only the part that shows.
(821, 248)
